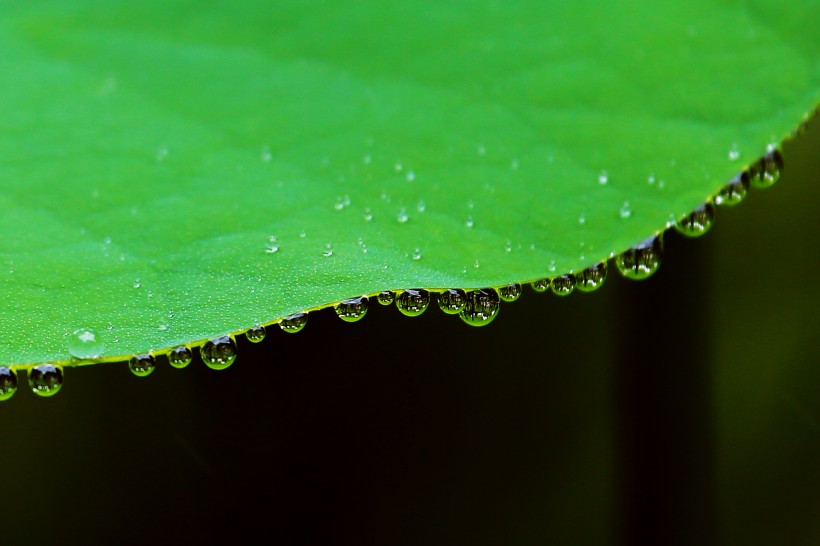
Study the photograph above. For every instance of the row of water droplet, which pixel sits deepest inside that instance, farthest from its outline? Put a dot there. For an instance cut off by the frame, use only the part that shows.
(642, 260)
(476, 307)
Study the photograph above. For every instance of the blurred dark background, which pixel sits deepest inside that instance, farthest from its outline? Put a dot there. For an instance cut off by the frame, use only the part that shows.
(679, 410)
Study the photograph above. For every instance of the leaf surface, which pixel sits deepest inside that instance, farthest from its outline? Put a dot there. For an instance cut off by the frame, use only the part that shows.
(172, 172)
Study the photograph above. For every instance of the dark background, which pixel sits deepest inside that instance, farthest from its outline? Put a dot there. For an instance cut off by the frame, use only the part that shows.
(679, 410)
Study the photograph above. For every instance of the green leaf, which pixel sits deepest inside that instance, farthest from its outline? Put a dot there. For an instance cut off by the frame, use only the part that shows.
(154, 155)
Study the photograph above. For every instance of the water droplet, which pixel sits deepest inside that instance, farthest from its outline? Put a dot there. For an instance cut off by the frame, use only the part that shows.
(481, 307)
(626, 211)
(413, 302)
(179, 357)
(563, 285)
(85, 343)
(273, 245)
(582, 219)
(341, 202)
(640, 261)
(552, 265)
(697, 222)
(734, 153)
(469, 222)
(293, 323)
(421, 207)
(452, 300)
(45, 380)
(137, 284)
(368, 215)
(328, 251)
(351, 310)
(540, 285)
(255, 334)
(766, 172)
(410, 176)
(218, 353)
(735, 191)
(511, 292)
(416, 254)
(386, 298)
(603, 178)
(398, 167)
(591, 278)
(476, 265)
(402, 216)
(508, 246)
(8, 383)
(650, 179)
(266, 155)
(142, 365)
